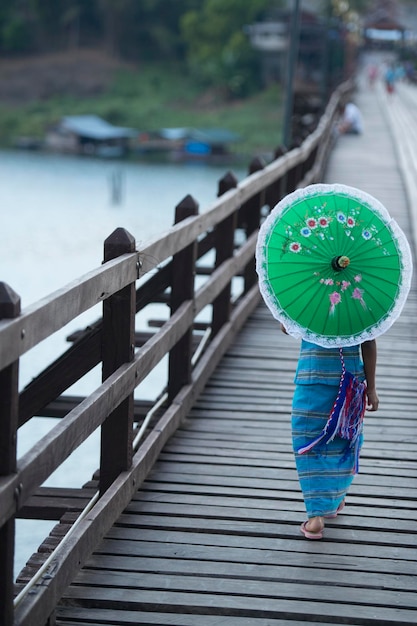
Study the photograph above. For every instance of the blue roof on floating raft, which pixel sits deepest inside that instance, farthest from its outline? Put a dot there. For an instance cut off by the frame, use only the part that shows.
(94, 127)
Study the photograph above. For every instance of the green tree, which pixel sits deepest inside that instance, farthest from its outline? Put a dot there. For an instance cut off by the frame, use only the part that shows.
(218, 50)
(46, 25)
(145, 30)
(16, 21)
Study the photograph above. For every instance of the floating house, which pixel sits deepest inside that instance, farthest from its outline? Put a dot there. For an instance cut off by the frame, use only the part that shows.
(187, 142)
(90, 135)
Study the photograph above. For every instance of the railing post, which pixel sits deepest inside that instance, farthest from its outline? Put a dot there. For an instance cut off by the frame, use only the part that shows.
(308, 164)
(118, 343)
(9, 413)
(250, 218)
(293, 178)
(224, 243)
(182, 288)
(277, 190)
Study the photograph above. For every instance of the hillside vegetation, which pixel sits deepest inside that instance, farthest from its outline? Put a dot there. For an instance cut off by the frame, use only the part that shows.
(36, 91)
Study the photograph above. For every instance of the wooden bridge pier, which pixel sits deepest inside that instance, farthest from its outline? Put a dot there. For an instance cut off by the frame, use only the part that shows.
(206, 518)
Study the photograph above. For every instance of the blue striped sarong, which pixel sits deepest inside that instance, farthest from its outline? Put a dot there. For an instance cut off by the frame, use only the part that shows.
(325, 474)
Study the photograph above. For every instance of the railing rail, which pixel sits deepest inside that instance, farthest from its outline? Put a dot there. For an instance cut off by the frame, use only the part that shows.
(112, 341)
(53, 312)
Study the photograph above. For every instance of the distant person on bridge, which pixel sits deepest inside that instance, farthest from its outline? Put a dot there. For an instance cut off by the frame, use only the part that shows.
(325, 475)
(390, 78)
(351, 121)
(372, 74)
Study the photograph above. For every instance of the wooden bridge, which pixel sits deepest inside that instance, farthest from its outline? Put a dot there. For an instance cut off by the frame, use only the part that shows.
(193, 517)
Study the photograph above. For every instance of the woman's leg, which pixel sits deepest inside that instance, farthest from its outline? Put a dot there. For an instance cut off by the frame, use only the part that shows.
(324, 474)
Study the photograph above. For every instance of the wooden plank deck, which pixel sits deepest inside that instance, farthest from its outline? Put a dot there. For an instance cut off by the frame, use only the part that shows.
(212, 536)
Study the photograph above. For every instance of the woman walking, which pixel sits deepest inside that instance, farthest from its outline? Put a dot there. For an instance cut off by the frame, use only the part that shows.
(326, 471)
(335, 269)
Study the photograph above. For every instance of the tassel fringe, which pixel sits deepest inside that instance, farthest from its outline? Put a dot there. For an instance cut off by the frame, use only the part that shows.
(346, 417)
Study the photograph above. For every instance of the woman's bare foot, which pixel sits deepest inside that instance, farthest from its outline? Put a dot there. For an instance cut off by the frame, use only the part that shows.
(313, 528)
(315, 525)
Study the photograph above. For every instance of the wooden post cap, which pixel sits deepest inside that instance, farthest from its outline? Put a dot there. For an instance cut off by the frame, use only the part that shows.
(118, 243)
(9, 302)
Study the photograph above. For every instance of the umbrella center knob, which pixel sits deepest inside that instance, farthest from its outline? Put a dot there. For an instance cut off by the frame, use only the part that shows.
(340, 263)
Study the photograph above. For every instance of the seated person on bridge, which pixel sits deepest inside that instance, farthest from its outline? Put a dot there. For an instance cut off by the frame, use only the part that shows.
(351, 121)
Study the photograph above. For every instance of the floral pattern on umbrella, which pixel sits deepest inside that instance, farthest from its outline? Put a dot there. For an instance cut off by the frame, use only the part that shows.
(333, 266)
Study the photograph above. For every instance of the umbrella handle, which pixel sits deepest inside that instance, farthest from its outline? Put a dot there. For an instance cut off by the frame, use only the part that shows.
(340, 263)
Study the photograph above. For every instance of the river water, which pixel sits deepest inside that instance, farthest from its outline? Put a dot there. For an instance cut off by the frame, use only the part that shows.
(55, 213)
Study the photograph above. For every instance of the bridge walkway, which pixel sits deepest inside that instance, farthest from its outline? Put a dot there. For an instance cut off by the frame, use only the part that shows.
(212, 536)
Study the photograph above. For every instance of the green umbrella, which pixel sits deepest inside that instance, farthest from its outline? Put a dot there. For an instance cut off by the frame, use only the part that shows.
(333, 266)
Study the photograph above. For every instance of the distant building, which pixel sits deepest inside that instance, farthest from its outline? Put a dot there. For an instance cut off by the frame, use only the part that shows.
(268, 36)
(383, 25)
(315, 46)
(390, 23)
(272, 40)
(320, 52)
(91, 135)
(408, 17)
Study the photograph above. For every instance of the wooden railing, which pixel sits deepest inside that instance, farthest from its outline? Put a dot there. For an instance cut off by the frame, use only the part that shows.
(167, 267)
